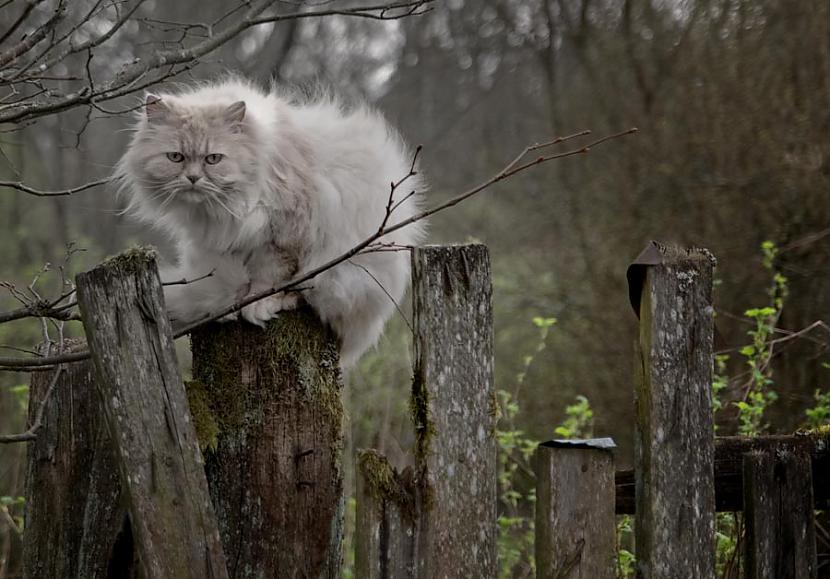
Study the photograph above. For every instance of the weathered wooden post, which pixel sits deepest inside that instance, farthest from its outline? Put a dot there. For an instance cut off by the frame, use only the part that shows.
(575, 521)
(385, 544)
(454, 409)
(674, 443)
(147, 414)
(268, 407)
(440, 522)
(778, 509)
(76, 526)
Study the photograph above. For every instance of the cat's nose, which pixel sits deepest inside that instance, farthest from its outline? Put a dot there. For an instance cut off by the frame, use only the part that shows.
(193, 178)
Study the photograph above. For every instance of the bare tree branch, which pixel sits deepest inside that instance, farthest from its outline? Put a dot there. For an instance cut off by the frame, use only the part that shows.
(140, 73)
(20, 20)
(31, 433)
(20, 186)
(367, 245)
(32, 39)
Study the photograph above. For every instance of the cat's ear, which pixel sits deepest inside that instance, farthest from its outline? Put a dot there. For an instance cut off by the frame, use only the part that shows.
(155, 108)
(235, 113)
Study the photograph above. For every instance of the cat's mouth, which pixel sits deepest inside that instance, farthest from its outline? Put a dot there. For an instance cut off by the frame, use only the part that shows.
(191, 195)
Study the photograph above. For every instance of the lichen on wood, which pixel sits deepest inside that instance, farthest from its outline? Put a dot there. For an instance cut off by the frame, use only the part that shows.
(147, 414)
(452, 408)
(674, 442)
(270, 406)
(205, 421)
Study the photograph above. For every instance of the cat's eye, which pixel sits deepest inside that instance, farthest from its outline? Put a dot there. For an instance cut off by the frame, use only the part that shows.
(175, 156)
(213, 158)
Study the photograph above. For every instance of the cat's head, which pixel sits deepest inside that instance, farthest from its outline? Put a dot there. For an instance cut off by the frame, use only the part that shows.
(197, 158)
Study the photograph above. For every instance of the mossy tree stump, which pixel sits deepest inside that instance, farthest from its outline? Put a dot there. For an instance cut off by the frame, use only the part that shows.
(268, 410)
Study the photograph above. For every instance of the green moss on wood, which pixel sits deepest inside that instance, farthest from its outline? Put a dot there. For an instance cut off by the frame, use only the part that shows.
(380, 477)
(296, 344)
(204, 421)
(424, 433)
(131, 260)
(385, 485)
(419, 410)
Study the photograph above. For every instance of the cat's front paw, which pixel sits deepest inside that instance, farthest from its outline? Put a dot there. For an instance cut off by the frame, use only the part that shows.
(266, 309)
(231, 317)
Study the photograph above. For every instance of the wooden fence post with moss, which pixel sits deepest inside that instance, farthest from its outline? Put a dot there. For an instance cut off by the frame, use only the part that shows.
(385, 525)
(439, 519)
(150, 425)
(671, 289)
(268, 408)
(76, 523)
(454, 409)
(575, 521)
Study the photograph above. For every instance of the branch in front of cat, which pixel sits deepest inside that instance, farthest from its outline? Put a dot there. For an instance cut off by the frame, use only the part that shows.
(391, 205)
(513, 168)
(384, 290)
(185, 281)
(516, 166)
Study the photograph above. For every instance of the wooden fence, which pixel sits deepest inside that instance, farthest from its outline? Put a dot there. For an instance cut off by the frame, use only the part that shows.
(238, 473)
(683, 474)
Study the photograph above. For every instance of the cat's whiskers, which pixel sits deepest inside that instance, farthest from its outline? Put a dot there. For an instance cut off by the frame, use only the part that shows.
(216, 198)
(167, 199)
(214, 193)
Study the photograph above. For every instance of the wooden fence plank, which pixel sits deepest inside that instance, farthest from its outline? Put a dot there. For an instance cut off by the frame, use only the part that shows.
(76, 525)
(269, 409)
(729, 452)
(780, 524)
(453, 404)
(575, 522)
(674, 442)
(148, 418)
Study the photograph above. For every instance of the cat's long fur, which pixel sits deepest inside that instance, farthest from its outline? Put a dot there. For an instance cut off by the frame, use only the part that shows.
(298, 184)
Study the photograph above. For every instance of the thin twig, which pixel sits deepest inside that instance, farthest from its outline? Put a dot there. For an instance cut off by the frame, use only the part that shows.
(31, 433)
(20, 186)
(513, 168)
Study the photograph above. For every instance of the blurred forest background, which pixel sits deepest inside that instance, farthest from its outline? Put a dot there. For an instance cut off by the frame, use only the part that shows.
(732, 102)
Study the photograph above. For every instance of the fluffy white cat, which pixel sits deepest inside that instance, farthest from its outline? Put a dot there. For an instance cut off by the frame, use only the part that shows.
(258, 188)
